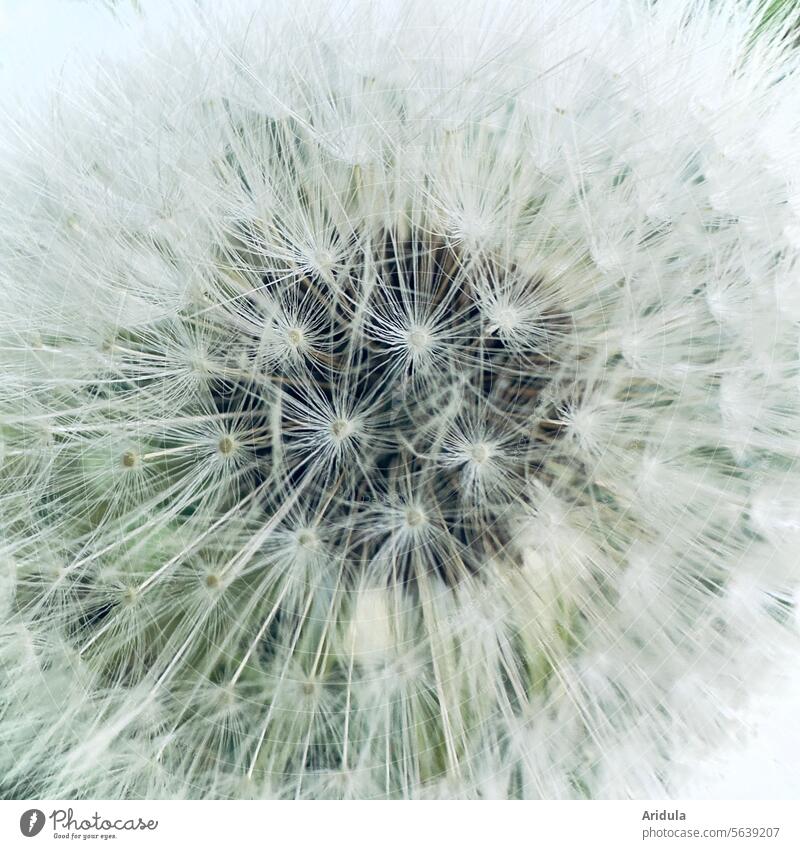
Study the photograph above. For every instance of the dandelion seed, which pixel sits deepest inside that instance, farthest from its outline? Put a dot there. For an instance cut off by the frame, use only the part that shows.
(400, 417)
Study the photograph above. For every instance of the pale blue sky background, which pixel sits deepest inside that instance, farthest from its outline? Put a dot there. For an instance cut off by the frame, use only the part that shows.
(38, 36)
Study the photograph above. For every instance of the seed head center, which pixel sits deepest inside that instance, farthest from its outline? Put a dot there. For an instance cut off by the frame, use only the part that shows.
(226, 446)
(342, 428)
(419, 339)
(129, 459)
(414, 517)
(480, 453)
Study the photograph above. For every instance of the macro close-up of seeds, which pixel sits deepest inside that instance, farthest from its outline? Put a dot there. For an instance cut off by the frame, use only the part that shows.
(399, 400)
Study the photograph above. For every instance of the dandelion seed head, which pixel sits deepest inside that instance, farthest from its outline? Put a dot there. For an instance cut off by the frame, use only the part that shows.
(130, 459)
(414, 517)
(398, 416)
(419, 339)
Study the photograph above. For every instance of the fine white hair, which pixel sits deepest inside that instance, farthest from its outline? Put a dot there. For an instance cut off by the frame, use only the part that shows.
(399, 400)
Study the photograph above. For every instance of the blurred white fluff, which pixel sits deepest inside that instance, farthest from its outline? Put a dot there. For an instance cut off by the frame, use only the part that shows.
(399, 401)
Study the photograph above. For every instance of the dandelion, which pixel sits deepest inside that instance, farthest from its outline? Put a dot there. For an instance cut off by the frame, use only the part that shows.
(399, 402)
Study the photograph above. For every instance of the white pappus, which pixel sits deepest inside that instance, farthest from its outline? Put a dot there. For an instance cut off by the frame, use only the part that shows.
(399, 401)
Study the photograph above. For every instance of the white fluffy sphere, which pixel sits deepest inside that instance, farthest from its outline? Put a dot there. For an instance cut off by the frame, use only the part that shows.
(399, 401)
